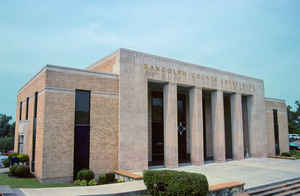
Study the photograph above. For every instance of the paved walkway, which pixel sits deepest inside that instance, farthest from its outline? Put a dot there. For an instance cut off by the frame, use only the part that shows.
(4, 170)
(253, 172)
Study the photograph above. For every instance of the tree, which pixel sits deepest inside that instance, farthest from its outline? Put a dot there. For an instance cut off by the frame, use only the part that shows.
(294, 118)
(6, 128)
(6, 144)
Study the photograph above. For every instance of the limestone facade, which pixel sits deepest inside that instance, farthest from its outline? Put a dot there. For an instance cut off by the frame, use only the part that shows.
(120, 120)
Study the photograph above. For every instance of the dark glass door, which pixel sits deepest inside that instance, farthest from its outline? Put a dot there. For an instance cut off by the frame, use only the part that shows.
(157, 128)
(181, 116)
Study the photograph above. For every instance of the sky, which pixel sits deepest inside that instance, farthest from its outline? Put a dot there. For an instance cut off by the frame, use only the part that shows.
(257, 38)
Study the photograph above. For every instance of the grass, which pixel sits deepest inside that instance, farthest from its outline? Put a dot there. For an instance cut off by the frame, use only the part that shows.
(295, 154)
(27, 182)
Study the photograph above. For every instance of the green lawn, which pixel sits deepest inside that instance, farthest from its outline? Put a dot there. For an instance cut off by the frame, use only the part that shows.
(26, 182)
(296, 154)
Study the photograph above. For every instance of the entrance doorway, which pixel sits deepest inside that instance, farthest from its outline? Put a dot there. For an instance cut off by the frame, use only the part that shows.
(245, 111)
(157, 128)
(207, 126)
(228, 126)
(183, 155)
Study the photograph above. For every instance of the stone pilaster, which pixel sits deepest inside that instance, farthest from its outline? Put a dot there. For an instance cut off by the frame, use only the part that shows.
(237, 126)
(218, 125)
(170, 126)
(196, 116)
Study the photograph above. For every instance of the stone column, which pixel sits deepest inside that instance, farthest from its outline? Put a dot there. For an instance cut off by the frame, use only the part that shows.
(237, 126)
(196, 122)
(218, 125)
(170, 126)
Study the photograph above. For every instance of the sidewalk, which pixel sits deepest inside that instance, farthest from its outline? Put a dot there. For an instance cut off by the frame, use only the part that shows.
(4, 170)
(87, 190)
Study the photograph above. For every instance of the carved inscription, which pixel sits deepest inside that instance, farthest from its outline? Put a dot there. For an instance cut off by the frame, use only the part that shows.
(199, 79)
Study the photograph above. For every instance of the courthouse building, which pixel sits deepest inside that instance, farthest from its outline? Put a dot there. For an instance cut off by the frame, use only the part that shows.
(131, 110)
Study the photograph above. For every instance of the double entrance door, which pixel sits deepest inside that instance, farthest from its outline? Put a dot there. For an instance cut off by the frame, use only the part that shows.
(157, 124)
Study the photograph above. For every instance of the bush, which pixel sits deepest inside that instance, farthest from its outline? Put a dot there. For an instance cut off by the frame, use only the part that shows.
(168, 182)
(24, 158)
(6, 162)
(77, 182)
(22, 171)
(12, 170)
(120, 180)
(286, 154)
(85, 174)
(101, 179)
(92, 182)
(83, 183)
(13, 154)
(110, 177)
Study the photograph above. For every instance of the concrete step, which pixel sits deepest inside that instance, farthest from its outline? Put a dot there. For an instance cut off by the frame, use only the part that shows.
(291, 192)
(273, 187)
(281, 189)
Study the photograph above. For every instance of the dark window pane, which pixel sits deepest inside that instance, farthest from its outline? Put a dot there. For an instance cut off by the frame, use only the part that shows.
(35, 104)
(81, 148)
(34, 131)
(20, 117)
(82, 107)
(27, 105)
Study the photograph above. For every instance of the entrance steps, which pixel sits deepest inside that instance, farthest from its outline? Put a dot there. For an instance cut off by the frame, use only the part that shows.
(283, 188)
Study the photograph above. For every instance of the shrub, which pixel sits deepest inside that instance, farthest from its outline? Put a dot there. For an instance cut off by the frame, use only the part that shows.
(12, 170)
(83, 183)
(92, 182)
(101, 179)
(85, 174)
(77, 182)
(24, 158)
(286, 154)
(120, 180)
(22, 171)
(110, 177)
(13, 154)
(168, 182)
(6, 162)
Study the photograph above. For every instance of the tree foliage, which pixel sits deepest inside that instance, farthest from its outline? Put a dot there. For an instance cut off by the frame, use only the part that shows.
(6, 128)
(294, 118)
(7, 133)
(6, 144)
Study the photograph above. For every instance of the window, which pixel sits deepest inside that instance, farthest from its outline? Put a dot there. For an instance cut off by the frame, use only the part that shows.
(20, 113)
(276, 132)
(27, 105)
(81, 131)
(34, 131)
(20, 144)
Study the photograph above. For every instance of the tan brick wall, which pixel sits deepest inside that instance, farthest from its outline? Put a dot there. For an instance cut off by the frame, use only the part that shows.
(109, 64)
(270, 105)
(59, 122)
(71, 80)
(55, 120)
(37, 84)
(104, 133)
(59, 135)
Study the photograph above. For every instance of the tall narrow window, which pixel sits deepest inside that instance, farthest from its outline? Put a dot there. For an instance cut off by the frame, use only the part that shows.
(82, 131)
(20, 143)
(20, 113)
(34, 131)
(276, 132)
(27, 105)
